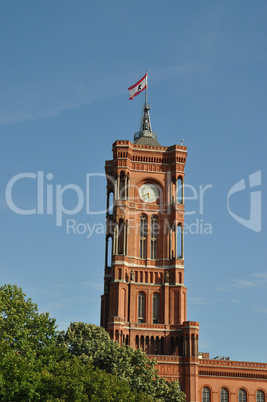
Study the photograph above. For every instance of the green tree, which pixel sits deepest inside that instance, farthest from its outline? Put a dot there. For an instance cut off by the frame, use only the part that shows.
(93, 345)
(73, 380)
(34, 366)
(22, 326)
(27, 343)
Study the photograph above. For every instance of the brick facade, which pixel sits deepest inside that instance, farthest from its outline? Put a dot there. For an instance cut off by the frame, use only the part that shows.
(144, 301)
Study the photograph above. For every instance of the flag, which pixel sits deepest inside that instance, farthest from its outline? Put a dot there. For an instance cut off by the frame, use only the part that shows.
(138, 87)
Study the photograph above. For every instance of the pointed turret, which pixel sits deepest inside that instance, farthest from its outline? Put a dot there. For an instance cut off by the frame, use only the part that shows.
(146, 136)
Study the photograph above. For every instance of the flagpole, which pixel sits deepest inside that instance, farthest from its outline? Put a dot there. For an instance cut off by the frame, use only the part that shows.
(146, 91)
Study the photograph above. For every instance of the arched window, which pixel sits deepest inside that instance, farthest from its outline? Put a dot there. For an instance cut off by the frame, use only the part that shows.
(141, 307)
(224, 395)
(205, 394)
(242, 395)
(154, 227)
(143, 236)
(155, 308)
(260, 396)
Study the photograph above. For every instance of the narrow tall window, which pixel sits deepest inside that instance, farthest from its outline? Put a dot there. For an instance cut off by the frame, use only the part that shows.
(260, 396)
(179, 241)
(154, 227)
(127, 186)
(122, 186)
(108, 251)
(224, 395)
(155, 308)
(180, 199)
(242, 395)
(141, 307)
(121, 237)
(205, 394)
(173, 245)
(110, 202)
(143, 236)
(126, 238)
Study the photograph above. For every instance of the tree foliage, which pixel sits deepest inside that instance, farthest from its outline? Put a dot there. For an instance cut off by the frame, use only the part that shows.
(34, 366)
(37, 363)
(93, 345)
(23, 328)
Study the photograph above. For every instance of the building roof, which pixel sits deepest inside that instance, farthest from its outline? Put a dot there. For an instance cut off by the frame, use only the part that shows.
(147, 141)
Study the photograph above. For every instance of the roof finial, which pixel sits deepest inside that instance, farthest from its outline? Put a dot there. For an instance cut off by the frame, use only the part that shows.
(145, 123)
(145, 127)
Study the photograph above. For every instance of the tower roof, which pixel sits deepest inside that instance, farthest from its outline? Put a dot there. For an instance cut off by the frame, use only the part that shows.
(146, 136)
(147, 141)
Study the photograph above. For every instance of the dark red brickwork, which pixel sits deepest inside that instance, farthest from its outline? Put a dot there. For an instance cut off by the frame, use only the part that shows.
(144, 302)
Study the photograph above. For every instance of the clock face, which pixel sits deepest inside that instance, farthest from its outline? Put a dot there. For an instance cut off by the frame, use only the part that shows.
(148, 192)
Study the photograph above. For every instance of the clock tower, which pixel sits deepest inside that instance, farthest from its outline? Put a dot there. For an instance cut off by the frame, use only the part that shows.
(144, 301)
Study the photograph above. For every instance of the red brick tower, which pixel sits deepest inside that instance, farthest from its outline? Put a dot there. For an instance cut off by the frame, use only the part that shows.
(144, 300)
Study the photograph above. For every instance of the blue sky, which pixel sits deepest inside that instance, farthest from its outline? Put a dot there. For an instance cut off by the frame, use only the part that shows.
(64, 73)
